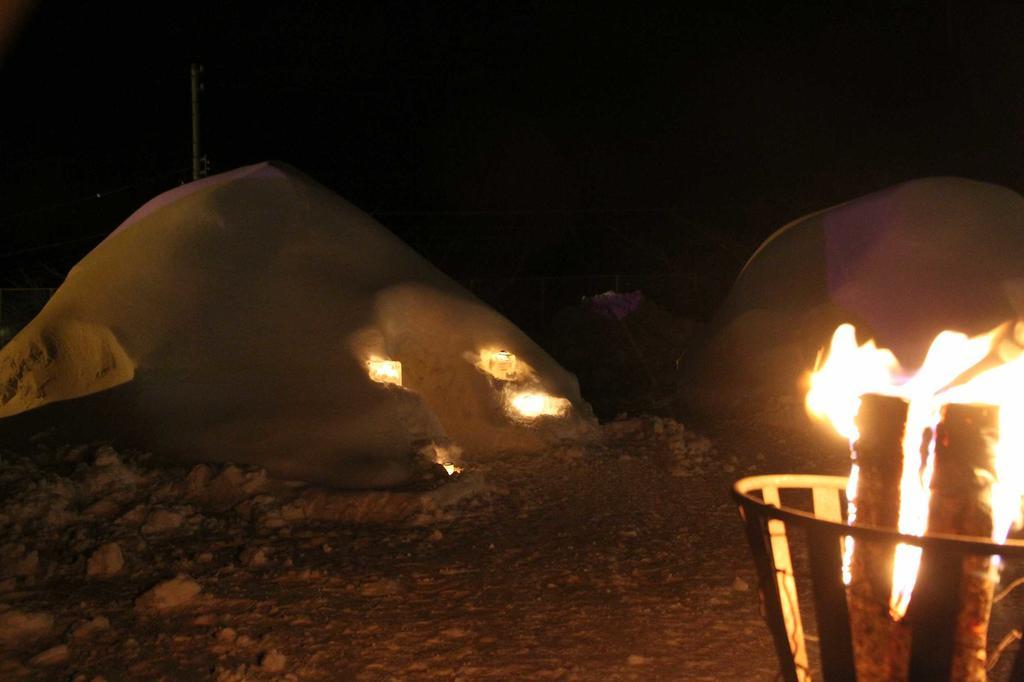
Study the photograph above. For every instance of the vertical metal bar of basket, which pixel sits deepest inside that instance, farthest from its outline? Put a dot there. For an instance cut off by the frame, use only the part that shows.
(1017, 673)
(756, 528)
(829, 592)
(787, 585)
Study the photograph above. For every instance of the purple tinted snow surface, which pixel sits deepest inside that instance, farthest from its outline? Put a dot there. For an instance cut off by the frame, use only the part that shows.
(615, 305)
(905, 273)
(265, 169)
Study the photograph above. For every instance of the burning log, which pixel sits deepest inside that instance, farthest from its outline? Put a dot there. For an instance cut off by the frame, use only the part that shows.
(958, 589)
(971, 487)
(881, 645)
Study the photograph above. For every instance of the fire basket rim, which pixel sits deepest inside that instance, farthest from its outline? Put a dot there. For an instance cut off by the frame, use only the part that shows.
(741, 494)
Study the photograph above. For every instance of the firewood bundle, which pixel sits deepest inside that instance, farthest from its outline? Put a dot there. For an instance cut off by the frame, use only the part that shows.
(952, 599)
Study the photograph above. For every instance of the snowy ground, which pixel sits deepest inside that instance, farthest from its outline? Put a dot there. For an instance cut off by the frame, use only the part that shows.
(620, 562)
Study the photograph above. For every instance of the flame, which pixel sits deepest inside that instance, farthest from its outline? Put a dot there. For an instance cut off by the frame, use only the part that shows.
(950, 355)
(851, 371)
(385, 371)
(1001, 386)
(851, 516)
(533, 404)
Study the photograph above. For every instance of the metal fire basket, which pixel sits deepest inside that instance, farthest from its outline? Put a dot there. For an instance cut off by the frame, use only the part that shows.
(815, 505)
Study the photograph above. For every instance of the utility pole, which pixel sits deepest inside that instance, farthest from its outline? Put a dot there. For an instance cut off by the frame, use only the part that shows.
(198, 162)
(949, 26)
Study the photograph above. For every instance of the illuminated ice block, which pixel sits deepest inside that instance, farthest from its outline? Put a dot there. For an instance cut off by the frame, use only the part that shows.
(386, 371)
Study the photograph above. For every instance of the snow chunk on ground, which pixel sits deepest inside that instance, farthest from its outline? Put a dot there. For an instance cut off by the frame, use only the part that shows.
(273, 661)
(227, 635)
(253, 557)
(52, 656)
(380, 588)
(106, 561)
(18, 562)
(169, 595)
(17, 627)
(88, 628)
(161, 521)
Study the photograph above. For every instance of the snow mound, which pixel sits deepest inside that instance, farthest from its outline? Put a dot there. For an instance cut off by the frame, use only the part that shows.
(232, 319)
(901, 264)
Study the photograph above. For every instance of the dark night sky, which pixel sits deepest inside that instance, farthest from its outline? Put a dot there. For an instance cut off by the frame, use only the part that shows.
(737, 118)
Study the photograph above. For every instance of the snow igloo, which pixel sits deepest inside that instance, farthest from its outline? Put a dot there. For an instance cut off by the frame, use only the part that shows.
(901, 264)
(256, 317)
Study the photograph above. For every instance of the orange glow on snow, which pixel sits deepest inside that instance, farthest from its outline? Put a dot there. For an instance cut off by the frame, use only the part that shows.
(533, 404)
